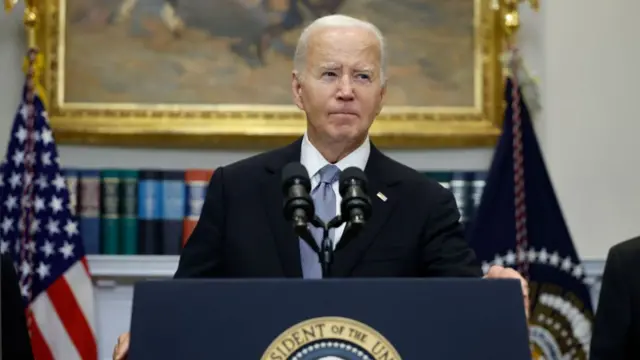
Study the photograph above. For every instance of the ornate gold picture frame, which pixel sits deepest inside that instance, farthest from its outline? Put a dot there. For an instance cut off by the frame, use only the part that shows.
(98, 92)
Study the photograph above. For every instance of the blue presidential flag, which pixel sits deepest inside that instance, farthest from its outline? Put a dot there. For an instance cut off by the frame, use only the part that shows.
(519, 224)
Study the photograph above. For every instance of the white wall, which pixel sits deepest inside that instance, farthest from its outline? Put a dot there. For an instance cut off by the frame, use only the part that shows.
(590, 56)
(586, 55)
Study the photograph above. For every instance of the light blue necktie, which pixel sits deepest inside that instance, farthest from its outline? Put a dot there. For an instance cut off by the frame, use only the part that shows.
(324, 199)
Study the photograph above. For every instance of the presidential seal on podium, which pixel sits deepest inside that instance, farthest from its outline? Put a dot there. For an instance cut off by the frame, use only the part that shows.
(330, 338)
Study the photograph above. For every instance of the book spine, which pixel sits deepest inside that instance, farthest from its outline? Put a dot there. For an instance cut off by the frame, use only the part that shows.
(149, 192)
(110, 212)
(460, 185)
(129, 212)
(89, 203)
(71, 178)
(197, 182)
(172, 205)
(477, 187)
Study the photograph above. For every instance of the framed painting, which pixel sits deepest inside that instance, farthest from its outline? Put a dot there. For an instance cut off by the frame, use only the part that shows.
(203, 73)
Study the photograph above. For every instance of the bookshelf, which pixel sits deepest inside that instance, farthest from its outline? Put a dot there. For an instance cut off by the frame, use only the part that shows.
(175, 198)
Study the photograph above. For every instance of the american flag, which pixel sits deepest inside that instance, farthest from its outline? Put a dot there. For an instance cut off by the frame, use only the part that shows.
(39, 231)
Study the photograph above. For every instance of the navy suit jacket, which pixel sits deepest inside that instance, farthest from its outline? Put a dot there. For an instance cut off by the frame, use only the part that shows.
(616, 328)
(242, 232)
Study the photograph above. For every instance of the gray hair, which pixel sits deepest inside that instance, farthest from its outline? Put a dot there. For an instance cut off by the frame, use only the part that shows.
(337, 21)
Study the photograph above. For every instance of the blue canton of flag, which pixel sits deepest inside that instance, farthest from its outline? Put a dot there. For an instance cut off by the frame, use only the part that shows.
(519, 207)
(39, 232)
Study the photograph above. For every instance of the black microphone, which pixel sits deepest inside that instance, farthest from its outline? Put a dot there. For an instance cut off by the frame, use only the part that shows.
(298, 205)
(356, 204)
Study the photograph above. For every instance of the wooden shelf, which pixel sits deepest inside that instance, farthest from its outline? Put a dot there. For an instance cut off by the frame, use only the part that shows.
(132, 266)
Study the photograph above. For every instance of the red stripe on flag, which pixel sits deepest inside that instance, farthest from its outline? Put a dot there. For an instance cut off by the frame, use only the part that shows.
(41, 350)
(73, 319)
(85, 264)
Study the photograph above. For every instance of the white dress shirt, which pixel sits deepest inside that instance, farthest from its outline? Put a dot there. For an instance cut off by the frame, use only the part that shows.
(311, 159)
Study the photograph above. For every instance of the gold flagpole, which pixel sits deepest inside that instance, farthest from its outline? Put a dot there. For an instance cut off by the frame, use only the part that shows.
(34, 61)
(509, 17)
(509, 13)
(30, 19)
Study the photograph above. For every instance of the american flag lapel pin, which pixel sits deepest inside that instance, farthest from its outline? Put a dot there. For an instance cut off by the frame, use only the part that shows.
(381, 196)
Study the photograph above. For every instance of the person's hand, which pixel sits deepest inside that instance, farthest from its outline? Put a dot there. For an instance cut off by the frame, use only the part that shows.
(499, 272)
(122, 347)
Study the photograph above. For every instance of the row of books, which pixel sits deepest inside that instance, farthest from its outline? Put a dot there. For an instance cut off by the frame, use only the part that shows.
(136, 212)
(466, 187)
(153, 212)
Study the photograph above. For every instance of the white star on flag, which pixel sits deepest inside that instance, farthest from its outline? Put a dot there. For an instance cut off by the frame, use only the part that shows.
(46, 159)
(21, 134)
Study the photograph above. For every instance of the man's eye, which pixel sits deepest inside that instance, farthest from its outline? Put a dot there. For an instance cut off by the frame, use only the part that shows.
(329, 73)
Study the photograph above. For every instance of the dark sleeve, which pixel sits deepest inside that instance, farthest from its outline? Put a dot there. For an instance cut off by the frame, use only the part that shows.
(16, 343)
(445, 251)
(611, 324)
(202, 255)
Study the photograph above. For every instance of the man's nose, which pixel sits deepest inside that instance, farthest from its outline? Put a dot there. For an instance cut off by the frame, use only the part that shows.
(345, 88)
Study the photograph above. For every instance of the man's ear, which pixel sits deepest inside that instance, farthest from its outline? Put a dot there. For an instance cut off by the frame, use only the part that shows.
(296, 89)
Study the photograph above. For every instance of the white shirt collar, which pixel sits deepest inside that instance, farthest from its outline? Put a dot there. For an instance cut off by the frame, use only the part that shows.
(311, 158)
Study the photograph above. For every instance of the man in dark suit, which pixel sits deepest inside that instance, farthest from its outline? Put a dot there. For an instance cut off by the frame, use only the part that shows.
(616, 330)
(339, 82)
(16, 343)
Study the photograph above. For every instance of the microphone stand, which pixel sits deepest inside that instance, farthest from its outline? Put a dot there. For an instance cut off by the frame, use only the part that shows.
(325, 251)
(326, 248)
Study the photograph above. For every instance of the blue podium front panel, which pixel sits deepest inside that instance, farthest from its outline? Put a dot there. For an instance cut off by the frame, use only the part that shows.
(332, 319)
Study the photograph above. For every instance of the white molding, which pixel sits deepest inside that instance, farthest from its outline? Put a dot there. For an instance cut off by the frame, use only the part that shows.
(132, 266)
(144, 266)
(593, 268)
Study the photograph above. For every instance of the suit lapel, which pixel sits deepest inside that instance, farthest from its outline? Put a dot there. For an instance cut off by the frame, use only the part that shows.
(286, 240)
(381, 181)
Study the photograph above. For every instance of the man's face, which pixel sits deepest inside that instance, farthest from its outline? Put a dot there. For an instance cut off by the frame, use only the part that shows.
(340, 90)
